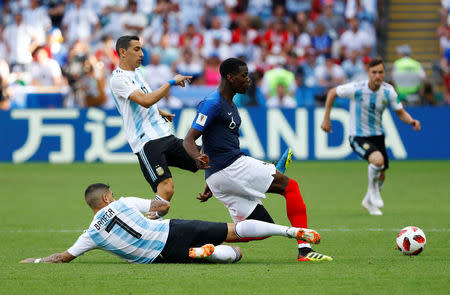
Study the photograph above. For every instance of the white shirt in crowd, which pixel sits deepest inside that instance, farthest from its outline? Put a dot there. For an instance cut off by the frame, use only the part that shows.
(45, 74)
(39, 20)
(19, 39)
(79, 22)
(286, 102)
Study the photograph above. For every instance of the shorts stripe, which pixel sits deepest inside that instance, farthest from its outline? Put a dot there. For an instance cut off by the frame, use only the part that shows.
(359, 149)
(147, 165)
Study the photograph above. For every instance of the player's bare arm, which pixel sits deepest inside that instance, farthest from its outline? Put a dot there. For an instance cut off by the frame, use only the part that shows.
(326, 123)
(406, 118)
(54, 258)
(148, 99)
(202, 160)
(166, 115)
(160, 207)
(203, 197)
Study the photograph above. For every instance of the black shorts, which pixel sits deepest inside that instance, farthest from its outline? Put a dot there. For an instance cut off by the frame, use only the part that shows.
(364, 146)
(260, 213)
(157, 155)
(185, 234)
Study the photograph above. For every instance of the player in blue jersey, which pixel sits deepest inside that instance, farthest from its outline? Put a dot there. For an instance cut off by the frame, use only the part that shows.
(146, 126)
(368, 100)
(239, 181)
(120, 228)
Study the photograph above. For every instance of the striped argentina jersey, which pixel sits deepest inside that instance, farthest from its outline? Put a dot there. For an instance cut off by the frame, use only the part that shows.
(140, 124)
(121, 229)
(367, 106)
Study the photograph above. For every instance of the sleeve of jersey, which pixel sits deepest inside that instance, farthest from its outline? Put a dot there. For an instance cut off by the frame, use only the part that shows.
(207, 110)
(394, 103)
(142, 205)
(345, 90)
(121, 87)
(82, 245)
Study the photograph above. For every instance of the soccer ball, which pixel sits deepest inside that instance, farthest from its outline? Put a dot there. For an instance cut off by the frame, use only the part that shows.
(411, 240)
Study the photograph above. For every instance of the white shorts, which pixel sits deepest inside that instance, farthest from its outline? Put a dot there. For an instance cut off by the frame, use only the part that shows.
(241, 185)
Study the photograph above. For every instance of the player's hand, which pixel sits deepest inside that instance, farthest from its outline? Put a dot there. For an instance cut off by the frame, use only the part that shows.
(203, 197)
(202, 161)
(326, 126)
(167, 116)
(153, 215)
(181, 80)
(416, 125)
(28, 260)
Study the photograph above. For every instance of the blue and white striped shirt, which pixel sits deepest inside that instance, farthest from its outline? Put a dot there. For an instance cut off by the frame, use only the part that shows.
(121, 229)
(367, 106)
(140, 124)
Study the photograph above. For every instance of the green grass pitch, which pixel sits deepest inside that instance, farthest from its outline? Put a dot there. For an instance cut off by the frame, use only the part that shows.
(42, 211)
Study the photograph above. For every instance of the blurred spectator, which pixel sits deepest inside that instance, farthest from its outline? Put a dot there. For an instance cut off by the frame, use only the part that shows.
(169, 54)
(260, 8)
(77, 23)
(275, 77)
(106, 53)
(355, 39)
(111, 15)
(410, 79)
(3, 50)
(191, 38)
(218, 48)
(156, 73)
(217, 30)
(353, 66)
(36, 16)
(45, 71)
(444, 41)
(55, 11)
(191, 12)
(295, 6)
(244, 32)
(58, 49)
(329, 74)
(308, 66)
(276, 39)
(365, 11)
(334, 24)
(4, 76)
(189, 65)
(301, 39)
(20, 40)
(155, 37)
(254, 95)
(281, 100)
(321, 41)
(170, 102)
(92, 91)
(133, 22)
(211, 72)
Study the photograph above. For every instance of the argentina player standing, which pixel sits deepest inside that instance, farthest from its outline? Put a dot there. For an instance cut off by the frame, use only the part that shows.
(239, 181)
(368, 100)
(145, 125)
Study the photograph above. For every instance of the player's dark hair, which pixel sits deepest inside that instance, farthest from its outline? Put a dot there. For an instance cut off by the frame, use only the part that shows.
(376, 61)
(124, 42)
(94, 192)
(230, 66)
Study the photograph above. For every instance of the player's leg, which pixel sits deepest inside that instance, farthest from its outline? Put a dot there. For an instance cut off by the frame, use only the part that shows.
(364, 147)
(375, 168)
(259, 213)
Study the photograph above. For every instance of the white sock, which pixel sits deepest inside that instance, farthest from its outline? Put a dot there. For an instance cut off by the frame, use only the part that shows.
(304, 245)
(160, 199)
(224, 254)
(374, 174)
(255, 229)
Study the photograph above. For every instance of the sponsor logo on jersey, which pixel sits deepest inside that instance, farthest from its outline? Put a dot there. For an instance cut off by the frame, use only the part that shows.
(201, 119)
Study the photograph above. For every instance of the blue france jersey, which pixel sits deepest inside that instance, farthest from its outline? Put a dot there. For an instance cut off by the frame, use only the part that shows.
(219, 122)
(121, 229)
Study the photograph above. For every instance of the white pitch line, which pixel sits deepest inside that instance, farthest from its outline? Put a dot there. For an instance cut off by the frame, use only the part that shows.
(318, 229)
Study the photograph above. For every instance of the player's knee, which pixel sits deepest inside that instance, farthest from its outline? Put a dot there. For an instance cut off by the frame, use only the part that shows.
(376, 159)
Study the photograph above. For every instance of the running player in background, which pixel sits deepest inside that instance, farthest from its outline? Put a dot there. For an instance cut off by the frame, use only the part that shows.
(239, 181)
(368, 100)
(145, 125)
(120, 228)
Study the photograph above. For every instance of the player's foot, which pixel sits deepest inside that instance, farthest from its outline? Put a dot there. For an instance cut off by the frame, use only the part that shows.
(201, 252)
(369, 207)
(375, 199)
(304, 234)
(285, 161)
(366, 201)
(312, 255)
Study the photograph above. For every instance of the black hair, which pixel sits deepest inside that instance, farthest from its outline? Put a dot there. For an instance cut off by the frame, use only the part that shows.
(230, 66)
(376, 61)
(92, 193)
(124, 42)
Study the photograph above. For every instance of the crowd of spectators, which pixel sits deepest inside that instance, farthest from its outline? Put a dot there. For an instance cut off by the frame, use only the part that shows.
(444, 45)
(295, 49)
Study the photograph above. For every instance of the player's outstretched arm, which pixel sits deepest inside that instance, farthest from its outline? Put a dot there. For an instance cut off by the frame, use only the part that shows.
(202, 160)
(148, 99)
(406, 118)
(54, 258)
(326, 123)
